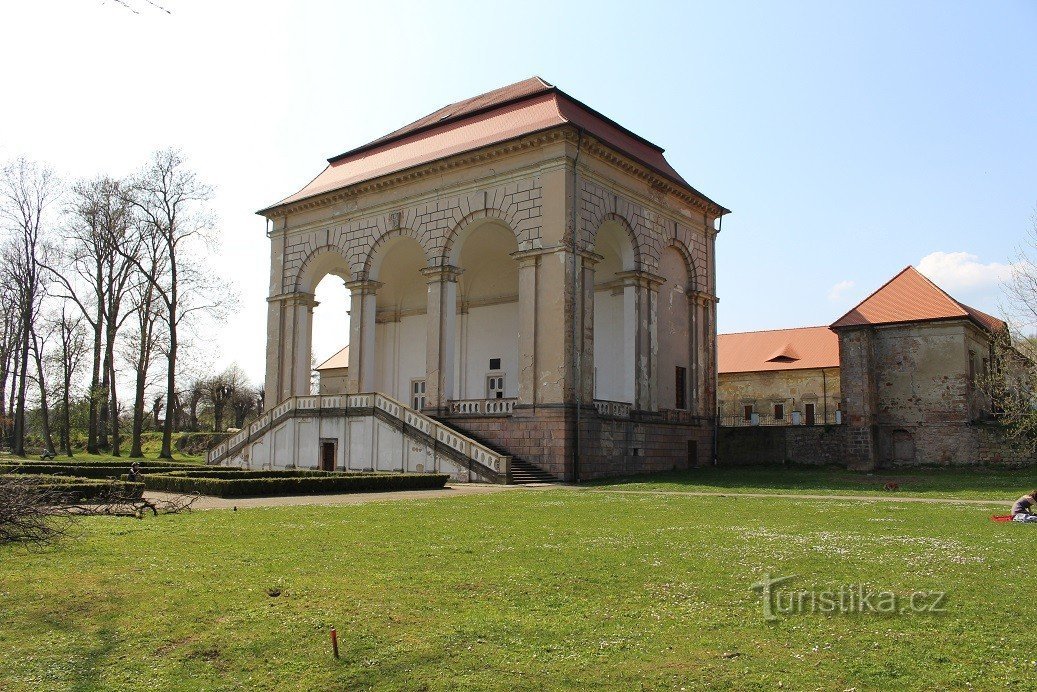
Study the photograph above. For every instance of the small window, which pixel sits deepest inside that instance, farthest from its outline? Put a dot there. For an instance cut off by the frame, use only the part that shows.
(681, 385)
(747, 411)
(494, 363)
(417, 394)
(779, 411)
(495, 386)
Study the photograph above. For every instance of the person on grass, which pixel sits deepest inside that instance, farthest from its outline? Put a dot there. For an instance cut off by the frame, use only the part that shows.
(1023, 509)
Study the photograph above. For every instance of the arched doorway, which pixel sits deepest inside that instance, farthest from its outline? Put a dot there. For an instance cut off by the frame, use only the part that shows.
(400, 319)
(615, 308)
(486, 349)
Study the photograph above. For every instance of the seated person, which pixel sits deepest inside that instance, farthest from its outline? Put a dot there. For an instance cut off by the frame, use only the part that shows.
(1023, 508)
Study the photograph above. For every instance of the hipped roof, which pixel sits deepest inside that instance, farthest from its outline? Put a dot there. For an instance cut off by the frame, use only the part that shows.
(911, 297)
(516, 110)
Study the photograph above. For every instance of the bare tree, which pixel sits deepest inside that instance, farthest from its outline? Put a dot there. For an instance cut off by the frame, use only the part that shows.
(172, 202)
(27, 190)
(10, 337)
(38, 339)
(144, 342)
(96, 274)
(220, 391)
(72, 348)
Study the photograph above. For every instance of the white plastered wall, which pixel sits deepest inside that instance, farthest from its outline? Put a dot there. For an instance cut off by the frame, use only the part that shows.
(400, 355)
(486, 332)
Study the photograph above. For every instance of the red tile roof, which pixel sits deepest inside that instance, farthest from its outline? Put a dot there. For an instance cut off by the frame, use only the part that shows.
(911, 297)
(778, 349)
(507, 113)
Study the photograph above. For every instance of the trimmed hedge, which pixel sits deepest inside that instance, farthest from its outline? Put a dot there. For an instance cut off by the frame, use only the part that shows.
(96, 470)
(295, 483)
(78, 489)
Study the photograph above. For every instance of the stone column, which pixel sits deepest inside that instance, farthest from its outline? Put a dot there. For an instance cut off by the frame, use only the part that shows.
(640, 326)
(441, 322)
(585, 344)
(295, 320)
(362, 309)
(529, 264)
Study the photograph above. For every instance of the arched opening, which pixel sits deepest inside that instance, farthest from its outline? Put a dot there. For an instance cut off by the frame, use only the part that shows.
(319, 324)
(486, 350)
(400, 320)
(329, 356)
(615, 325)
(676, 371)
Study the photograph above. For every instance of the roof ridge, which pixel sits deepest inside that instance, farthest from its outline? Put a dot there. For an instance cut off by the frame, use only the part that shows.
(779, 329)
(872, 294)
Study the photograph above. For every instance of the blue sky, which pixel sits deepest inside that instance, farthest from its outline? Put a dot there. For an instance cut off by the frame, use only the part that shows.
(849, 139)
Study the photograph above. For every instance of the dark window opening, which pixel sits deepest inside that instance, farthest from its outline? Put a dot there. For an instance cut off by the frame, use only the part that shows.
(748, 412)
(681, 378)
(779, 411)
(494, 363)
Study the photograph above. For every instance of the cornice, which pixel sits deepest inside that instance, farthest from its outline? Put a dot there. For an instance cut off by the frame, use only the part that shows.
(654, 180)
(409, 175)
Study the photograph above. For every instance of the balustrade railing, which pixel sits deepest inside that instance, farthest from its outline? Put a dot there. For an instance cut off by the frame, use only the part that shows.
(482, 407)
(613, 409)
(476, 451)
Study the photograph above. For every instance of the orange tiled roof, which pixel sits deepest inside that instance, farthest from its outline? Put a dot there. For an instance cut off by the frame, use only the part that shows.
(513, 111)
(910, 297)
(337, 361)
(778, 349)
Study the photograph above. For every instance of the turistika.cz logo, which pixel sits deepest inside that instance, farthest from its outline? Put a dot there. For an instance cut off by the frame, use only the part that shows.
(848, 599)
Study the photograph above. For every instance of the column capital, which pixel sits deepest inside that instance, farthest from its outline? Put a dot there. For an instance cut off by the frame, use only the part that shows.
(363, 287)
(638, 277)
(444, 272)
(703, 298)
(294, 299)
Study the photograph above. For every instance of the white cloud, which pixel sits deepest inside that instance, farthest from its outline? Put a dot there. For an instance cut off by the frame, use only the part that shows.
(837, 292)
(961, 271)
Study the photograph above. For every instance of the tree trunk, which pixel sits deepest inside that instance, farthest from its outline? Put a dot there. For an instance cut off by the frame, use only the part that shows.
(48, 439)
(95, 376)
(18, 442)
(113, 399)
(167, 429)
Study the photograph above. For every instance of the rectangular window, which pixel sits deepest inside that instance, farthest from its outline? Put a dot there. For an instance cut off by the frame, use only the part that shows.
(495, 386)
(494, 363)
(417, 394)
(681, 384)
(779, 411)
(810, 411)
(748, 412)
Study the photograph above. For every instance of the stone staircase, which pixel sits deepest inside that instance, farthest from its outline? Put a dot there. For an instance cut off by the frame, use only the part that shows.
(522, 472)
(437, 441)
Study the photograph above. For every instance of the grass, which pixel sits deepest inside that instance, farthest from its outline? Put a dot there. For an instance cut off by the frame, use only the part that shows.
(151, 445)
(981, 484)
(518, 590)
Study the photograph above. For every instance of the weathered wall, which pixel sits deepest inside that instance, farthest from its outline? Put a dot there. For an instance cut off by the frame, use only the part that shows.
(820, 445)
(910, 396)
(793, 388)
(608, 446)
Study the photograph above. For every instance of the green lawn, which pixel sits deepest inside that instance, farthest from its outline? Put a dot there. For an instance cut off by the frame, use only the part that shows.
(519, 590)
(999, 484)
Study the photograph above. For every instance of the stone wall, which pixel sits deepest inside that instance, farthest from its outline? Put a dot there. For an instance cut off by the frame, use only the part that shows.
(793, 388)
(821, 445)
(608, 446)
(843, 445)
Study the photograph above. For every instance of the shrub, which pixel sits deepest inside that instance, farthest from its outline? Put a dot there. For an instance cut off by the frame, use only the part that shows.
(90, 470)
(79, 489)
(293, 483)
